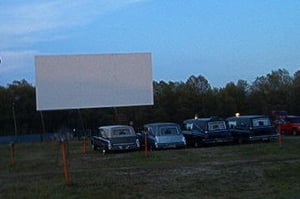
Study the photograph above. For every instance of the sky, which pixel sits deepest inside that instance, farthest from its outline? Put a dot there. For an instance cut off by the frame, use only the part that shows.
(222, 40)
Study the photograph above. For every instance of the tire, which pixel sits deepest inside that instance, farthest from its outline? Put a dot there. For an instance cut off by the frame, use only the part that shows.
(94, 147)
(294, 132)
(239, 140)
(151, 147)
(196, 144)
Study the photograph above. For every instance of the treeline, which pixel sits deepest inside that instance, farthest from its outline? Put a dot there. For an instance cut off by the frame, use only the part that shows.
(173, 101)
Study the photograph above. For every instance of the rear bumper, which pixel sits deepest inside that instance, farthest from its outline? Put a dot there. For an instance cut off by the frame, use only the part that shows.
(263, 137)
(170, 145)
(123, 147)
(217, 140)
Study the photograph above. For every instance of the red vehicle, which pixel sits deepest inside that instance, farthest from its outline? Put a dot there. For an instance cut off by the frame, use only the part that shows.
(291, 125)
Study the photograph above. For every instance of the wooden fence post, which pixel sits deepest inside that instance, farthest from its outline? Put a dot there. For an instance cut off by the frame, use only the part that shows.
(146, 145)
(66, 163)
(12, 152)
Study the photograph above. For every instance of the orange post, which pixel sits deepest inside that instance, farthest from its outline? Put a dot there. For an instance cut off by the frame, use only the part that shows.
(12, 152)
(280, 135)
(66, 163)
(84, 145)
(146, 146)
(53, 143)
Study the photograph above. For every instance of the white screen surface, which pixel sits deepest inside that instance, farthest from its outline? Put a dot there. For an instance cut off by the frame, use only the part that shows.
(93, 81)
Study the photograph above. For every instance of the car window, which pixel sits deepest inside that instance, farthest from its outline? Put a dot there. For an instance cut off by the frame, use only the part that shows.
(188, 126)
(103, 133)
(121, 132)
(150, 131)
(257, 122)
(200, 125)
(216, 125)
(232, 124)
(243, 123)
(170, 130)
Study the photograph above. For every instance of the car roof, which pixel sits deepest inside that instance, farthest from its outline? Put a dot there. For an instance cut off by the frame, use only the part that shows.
(247, 116)
(114, 126)
(292, 116)
(161, 124)
(208, 119)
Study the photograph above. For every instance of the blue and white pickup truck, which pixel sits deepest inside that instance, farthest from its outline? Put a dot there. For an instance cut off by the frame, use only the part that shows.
(115, 138)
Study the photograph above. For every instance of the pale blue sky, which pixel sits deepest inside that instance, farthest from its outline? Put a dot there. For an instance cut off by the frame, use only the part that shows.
(223, 40)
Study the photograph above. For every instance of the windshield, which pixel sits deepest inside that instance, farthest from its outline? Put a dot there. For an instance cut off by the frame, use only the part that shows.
(168, 130)
(217, 125)
(263, 121)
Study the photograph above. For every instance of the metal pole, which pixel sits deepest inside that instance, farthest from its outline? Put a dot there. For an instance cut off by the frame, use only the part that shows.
(43, 126)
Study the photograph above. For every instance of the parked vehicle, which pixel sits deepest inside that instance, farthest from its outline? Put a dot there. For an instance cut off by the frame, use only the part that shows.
(203, 131)
(291, 125)
(252, 128)
(115, 138)
(162, 136)
(278, 117)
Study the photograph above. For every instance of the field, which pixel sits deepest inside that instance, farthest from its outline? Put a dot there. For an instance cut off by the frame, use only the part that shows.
(257, 170)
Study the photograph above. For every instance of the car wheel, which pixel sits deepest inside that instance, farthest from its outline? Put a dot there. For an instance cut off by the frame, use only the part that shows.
(94, 147)
(240, 140)
(294, 132)
(151, 147)
(196, 144)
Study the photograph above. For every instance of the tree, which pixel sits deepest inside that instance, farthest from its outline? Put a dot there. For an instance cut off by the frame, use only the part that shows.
(233, 98)
(295, 108)
(271, 92)
(198, 84)
(199, 90)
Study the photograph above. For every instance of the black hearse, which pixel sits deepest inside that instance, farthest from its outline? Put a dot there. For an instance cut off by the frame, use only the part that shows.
(203, 131)
(248, 128)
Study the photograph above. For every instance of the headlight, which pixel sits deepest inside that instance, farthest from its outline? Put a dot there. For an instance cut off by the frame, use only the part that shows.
(184, 141)
(156, 142)
(138, 143)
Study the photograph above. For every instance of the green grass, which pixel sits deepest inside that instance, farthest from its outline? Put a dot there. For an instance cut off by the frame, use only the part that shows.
(258, 170)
